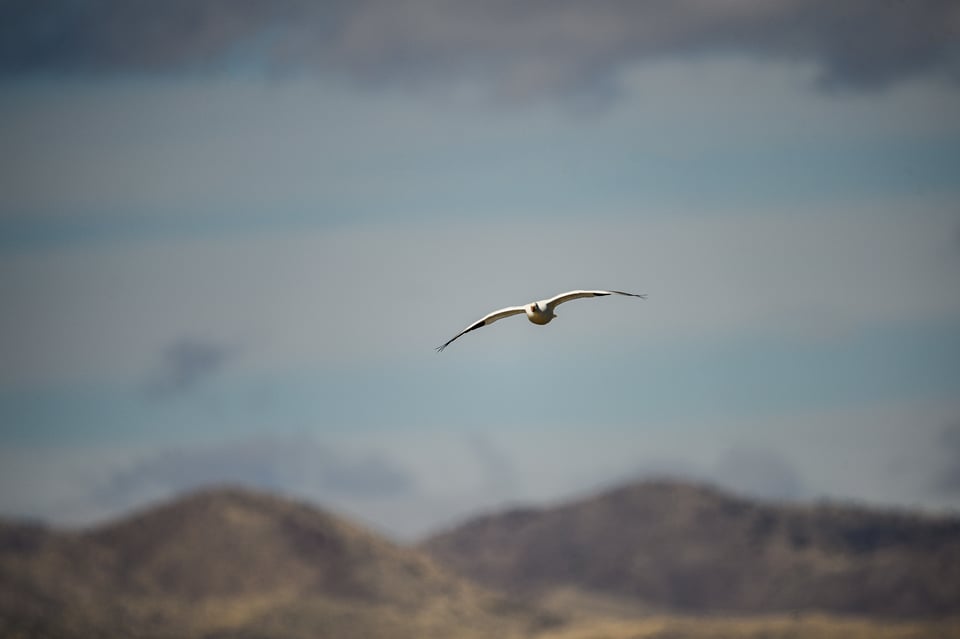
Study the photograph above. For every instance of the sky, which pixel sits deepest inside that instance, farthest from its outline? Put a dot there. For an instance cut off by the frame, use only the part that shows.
(233, 233)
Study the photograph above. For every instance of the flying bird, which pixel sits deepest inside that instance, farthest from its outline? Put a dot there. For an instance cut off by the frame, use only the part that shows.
(540, 312)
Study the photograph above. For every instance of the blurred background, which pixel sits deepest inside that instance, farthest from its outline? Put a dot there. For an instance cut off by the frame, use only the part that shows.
(232, 233)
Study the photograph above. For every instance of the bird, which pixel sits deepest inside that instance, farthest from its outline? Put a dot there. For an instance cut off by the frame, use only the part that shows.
(539, 312)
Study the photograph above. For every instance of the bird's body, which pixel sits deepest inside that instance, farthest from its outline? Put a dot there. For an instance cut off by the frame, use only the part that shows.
(539, 312)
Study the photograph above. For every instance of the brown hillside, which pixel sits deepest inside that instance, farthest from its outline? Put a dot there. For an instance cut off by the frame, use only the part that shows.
(694, 548)
(234, 563)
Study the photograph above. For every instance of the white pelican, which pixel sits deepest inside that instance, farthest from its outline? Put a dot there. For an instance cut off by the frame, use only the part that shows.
(540, 312)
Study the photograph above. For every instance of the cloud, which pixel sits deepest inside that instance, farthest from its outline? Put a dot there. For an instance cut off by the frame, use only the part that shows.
(298, 466)
(947, 476)
(499, 473)
(760, 473)
(185, 364)
(517, 49)
(761, 274)
(673, 468)
(755, 472)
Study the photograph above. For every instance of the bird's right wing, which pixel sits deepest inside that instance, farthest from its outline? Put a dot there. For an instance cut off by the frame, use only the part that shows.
(553, 302)
(489, 319)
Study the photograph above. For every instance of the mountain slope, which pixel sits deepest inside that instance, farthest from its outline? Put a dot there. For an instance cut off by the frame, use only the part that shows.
(697, 549)
(234, 563)
(237, 563)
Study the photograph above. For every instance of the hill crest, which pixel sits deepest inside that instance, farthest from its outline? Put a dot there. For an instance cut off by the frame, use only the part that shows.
(697, 548)
(227, 560)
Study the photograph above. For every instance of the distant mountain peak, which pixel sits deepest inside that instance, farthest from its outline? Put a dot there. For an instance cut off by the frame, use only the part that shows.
(695, 547)
(217, 556)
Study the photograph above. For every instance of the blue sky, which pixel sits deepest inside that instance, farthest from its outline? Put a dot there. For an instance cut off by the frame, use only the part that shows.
(227, 250)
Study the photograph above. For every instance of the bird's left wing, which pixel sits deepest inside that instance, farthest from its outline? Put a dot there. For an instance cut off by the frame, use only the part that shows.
(553, 302)
(489, 319)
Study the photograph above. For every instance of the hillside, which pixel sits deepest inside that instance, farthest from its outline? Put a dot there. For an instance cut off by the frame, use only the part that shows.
(692, 548)
(234, 563)
(627, 564)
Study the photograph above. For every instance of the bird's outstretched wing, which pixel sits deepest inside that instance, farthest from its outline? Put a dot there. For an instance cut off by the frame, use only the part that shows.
(489, 319)
(553, 302)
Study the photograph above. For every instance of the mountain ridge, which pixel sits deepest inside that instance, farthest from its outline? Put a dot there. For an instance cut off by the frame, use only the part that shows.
(693, 547)
(231, 561)
(235, 562)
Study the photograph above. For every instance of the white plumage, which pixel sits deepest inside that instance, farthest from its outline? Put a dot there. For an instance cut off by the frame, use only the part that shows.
(540, 312)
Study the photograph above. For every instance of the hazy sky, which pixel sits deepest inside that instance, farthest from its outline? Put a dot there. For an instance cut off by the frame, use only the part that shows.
(232, 233)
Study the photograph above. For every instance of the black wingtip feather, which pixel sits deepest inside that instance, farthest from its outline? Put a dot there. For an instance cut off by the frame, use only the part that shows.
(474, 327)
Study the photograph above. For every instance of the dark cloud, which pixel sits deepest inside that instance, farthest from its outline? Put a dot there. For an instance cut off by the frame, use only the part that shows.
(759, 473)
(185, 364)
(517, 48)
(297, 466)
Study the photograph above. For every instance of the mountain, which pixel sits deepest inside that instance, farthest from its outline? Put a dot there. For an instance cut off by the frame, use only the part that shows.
(631, 563)
(235, 563)
(693, 548)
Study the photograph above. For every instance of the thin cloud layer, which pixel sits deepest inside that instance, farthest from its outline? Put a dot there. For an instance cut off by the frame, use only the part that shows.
(288, 465)
(518, 49)
(760, 473)
(947, 476)
(755, 472)
(499, 473)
